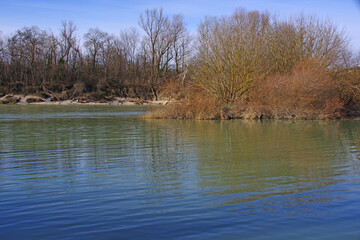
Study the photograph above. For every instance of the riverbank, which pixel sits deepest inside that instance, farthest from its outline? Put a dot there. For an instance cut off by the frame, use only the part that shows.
(37, 100)
(200, 106)
(186, 111)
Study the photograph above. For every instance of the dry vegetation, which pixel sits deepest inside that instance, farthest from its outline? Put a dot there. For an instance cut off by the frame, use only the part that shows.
(97, 65)
(252, 65)
(307, 92)
(247, 65)
(195, 105)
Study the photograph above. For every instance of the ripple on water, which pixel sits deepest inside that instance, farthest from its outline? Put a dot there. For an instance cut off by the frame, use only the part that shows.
(92, 172)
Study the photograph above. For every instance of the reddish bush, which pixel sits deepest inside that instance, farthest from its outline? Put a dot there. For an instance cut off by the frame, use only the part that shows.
(195, 105)
(350, 90)
(173, 90)
(307, 92)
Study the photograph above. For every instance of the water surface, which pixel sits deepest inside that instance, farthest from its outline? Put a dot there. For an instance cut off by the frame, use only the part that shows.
(100, 172)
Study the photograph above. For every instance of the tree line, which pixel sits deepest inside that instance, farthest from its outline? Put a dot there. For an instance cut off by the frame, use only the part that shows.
(227, 57)
(34, 60)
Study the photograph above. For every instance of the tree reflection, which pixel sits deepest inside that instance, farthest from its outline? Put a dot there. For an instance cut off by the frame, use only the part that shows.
(239, 164)
(246, 161)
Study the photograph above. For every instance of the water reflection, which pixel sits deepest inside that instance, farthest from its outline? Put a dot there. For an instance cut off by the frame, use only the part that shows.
(139, 176)
(248, 160)
(251, 159)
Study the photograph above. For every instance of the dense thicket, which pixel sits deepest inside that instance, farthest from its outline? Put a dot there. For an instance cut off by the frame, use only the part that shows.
(265, 67)
(232, 52)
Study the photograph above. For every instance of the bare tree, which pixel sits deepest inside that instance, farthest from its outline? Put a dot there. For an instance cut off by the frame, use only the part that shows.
(129, 44)
(157, 42)
(180, 45)
(109, 60)
(2, 45)
(2, 48)
(26, 49)
(67, 41)
(95, 40)
(2, 61)
(302, 38)
(230, 53)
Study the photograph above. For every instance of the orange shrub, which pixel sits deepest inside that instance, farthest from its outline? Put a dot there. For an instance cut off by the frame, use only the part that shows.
(350, 90)
(173, 90)
(307, 92)
(195, 105)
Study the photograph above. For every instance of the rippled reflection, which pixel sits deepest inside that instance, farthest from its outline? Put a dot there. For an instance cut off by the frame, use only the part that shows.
(258, 159)
(82, 172)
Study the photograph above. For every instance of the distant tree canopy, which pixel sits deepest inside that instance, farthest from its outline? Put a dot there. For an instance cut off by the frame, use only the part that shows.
(228, 55)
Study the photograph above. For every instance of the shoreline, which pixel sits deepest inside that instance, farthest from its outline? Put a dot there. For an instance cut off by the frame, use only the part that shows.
(36, 100)
(17, 99)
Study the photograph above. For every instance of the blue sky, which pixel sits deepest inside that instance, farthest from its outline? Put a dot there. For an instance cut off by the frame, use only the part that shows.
(114, 15)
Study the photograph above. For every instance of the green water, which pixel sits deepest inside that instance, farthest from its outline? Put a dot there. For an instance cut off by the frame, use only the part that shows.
(101, 172)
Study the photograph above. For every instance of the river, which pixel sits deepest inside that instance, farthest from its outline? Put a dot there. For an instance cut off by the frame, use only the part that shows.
(101, 172)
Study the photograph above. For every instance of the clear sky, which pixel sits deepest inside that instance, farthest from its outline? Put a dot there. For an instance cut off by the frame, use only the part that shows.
(114, 15)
